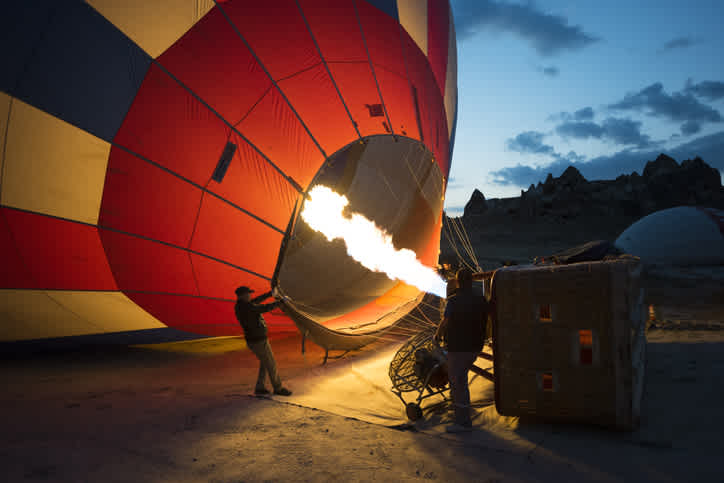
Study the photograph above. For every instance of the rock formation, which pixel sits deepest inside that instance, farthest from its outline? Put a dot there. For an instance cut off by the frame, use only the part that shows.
(664, 184)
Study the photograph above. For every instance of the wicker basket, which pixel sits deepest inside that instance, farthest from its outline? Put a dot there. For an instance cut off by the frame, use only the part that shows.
(569, 342)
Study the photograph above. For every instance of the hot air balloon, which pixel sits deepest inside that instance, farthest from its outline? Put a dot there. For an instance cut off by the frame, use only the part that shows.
(156, 155)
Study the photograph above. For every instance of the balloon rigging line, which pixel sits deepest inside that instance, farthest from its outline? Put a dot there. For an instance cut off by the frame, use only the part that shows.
(334, 83)
(466, 239)
(271, 78)
(372, 68)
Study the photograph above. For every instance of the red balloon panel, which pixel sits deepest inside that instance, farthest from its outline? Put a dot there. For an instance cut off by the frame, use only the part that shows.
(225, 233)
(192, 314)
(170, 127)
(358, 88)
(317, 102)
(219, 280)
(276, 33)
(148, 266)
(254, 185)
(382, 34)
(213, 61)
(274, 128)
(399, 102)
(331, 22)
(59, 254)
(142, 199)
(438, 24)
(14, 273)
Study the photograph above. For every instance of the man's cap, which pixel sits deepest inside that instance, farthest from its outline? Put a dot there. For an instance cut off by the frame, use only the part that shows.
(243, 289)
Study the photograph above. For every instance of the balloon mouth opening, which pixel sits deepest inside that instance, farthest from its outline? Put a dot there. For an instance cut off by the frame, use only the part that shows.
(395, 184)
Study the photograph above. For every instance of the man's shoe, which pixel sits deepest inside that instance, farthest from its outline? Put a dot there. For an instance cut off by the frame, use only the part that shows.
(458, 428)
(283, 392)
(261, 392)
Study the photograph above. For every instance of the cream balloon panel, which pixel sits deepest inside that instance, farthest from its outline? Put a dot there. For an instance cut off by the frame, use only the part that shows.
(50, 166)
(38, 314)
(153, 25)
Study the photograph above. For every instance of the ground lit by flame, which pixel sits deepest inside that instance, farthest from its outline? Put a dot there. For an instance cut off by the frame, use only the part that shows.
(366, 242)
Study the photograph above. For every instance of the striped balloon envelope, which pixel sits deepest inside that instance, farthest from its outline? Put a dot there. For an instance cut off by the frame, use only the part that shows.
(155, 156)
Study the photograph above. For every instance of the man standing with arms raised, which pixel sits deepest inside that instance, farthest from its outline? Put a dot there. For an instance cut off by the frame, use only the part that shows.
(249, 314)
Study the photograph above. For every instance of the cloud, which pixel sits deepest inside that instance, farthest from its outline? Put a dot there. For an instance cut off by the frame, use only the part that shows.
(626, 132)
(709, 147)
(580, 130)
(529, 142)
(550, 71)
(709, 90)
(618, 131)
(585, 114)
(690, 127)
(679, 106)
(680, 43)
(548, 34)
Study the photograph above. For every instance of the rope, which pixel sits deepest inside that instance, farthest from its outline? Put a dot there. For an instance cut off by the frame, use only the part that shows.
(451, 240)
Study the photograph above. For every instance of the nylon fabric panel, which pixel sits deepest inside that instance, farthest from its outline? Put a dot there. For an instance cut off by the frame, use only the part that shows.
(451, 81)
(382, 34)
(31, 314)
(357, 85)
(432, 111)
(399, 102)
(255, 186)
(276, 131)
(213, 62)
(232, 236)
(111, 311)
(5, 105)
(143, 199)
(317, 102)
(22, 26)
(438, 40)
(82, 69)
(148, 266)
(218, 280)
(183, 136)
(413, 18)
(14, 273)
(154, 26)
(51, 166)
(193, 314)
(262, 24)
(332, 21)
(60, 254)
(36, 314)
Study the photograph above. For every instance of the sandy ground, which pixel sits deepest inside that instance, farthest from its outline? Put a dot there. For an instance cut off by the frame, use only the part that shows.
(183, 412)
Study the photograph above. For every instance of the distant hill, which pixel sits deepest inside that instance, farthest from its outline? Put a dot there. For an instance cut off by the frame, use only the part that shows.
(568, 210)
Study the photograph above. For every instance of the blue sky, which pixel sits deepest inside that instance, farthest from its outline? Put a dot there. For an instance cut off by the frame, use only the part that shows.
(605, 86)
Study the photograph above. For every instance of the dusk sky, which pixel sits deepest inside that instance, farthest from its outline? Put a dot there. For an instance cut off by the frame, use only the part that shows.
(605, 86)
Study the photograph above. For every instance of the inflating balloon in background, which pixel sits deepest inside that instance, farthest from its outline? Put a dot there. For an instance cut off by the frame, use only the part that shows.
(155, 156)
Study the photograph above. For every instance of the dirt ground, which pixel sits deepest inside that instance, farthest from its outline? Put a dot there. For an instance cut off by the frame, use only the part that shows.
(183, 412)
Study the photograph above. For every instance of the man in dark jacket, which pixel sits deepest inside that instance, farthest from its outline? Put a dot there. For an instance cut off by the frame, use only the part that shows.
(249, 314)
(463, 328)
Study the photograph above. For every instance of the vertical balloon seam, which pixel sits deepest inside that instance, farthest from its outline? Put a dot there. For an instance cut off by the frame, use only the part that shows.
(372, 68)
(261, 64)
(5, 143)
(326, 67)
